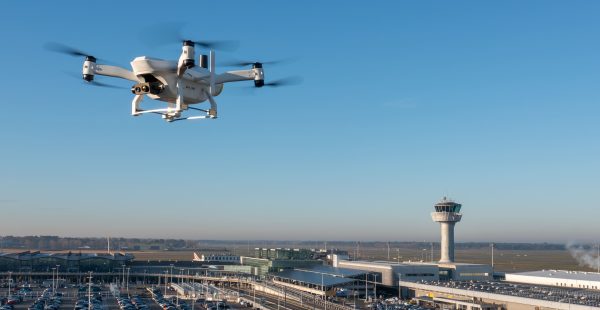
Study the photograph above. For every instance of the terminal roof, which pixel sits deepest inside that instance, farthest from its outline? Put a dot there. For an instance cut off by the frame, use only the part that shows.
(332, 271)
(312, 278)
(563, 274)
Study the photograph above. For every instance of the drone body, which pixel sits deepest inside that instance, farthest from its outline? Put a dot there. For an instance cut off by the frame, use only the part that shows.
(180, 84)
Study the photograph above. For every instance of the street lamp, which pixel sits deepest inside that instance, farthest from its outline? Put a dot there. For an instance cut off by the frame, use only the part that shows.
(128, 281)
(598, 262)
(399, 286)
(57, 268)
(166, 274)
(9, 282)
(492, 246)
(375, 287)
(123, 280)
(53, 286)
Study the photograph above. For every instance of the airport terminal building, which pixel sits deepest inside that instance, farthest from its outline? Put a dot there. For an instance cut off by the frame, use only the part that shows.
(561, 278)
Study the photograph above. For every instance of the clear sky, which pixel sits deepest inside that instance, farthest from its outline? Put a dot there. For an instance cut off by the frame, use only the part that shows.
(494, 104)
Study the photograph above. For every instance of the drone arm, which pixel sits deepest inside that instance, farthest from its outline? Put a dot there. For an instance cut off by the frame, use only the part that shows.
(115, 72)
(236, 76)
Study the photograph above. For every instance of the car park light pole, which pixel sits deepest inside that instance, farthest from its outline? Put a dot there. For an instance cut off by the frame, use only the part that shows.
(123, 279)
(9, 282)
(53, 289)
(166, 277)
(57, 269)
(90, 292)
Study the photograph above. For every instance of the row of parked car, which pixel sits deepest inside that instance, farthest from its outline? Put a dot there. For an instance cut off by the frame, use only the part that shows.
(214, 304)
(47, 301)
(165, 303)
(83, 303)
(134, 303)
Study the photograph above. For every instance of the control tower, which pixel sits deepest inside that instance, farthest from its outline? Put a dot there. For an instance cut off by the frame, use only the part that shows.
(447, 214)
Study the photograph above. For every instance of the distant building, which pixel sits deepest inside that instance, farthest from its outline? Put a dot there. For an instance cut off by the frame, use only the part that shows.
(218, 258)
(281, 253)
(387, 273)
(70, 262)
(266, 265)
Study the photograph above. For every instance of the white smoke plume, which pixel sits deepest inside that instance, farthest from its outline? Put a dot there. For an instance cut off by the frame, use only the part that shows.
(585, 256)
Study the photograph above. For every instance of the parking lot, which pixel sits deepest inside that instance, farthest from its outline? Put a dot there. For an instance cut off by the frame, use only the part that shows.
(557, 294)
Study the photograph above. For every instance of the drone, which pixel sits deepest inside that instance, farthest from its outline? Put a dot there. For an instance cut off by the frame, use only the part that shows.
(180, 84)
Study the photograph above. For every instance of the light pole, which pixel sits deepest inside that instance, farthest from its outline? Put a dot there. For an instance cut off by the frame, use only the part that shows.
(57, 268)
(123, 280)
(492, 246)
(128, 281)
(166, 276)
(9, 283)
(432, 252)
(324, 292)
(388, 252)
(375, 287)
(366, 287)
(90, 292)
(53, 287)
(598, 262)
(399, 287)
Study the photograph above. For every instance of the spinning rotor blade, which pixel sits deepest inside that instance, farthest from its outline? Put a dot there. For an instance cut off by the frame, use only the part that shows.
(288, 81)
(64, 49)
(100, 84)
(242, 63)
(170, 33)
(71, 51)
(223, 45)
(93, 83)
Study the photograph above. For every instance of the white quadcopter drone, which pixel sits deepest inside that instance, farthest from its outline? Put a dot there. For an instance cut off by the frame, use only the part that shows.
(179, 83)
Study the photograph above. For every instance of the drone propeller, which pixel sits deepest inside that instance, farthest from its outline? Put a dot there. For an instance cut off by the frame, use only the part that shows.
(93, 83)
(100, 84)
(170, 33)
(287, 81)
(223, 45)
(71, 51)
(244, 63)
(64, 49)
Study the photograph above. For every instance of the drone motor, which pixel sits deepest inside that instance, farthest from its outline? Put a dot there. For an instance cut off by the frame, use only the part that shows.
(259, 75)
(89, 67)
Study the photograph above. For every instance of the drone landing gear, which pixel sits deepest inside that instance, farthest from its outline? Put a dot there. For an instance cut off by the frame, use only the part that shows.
(173, 111)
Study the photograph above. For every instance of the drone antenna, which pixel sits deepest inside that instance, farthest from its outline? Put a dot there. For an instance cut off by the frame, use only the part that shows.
(212, 72)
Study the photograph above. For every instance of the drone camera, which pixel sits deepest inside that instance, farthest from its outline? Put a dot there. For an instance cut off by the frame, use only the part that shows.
(153, 88)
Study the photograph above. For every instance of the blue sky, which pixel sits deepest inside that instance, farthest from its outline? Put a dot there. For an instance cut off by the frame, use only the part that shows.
(494, 104)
